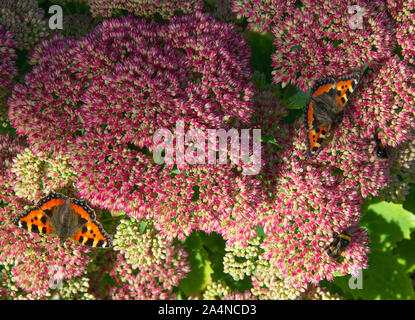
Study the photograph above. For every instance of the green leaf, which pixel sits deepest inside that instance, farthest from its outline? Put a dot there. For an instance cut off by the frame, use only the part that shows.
(200, 274)
(175, 170)
(395, 214)
(269, 139)
(259, 80)
(392, 256)
(409, 203)
(385, 279)
(298, 100)
(196, 193)
(262, 47)
(214, 245)
(260, 231)
(119, 213)
(406, 254)
(143, 225)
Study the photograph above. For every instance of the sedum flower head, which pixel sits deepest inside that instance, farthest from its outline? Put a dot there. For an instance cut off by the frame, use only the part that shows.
(36, 175)
(148, 266)
(386, 106)
(25, 20)
(29, 261)
(8, 69)
(149, 8)
(140, 77)
(143, 249)
(219, 290)
(261, 15)
(404, 16)
(315, 38)
(240, 262)
(131, 283)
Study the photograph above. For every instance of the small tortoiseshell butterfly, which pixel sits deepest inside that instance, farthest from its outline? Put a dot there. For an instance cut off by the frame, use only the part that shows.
(381, 151)
(339, 244)
(328, 98)
(67, 218)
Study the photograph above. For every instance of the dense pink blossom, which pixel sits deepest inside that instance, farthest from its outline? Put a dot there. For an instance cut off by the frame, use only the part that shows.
(145, 284)
(8, 56)
(199, 76)
(148, 8)
(262, 14)
(309, 199)
(141, 77)
(317, 41)
(203, 197)
(306, 200)
(8, 68)
(25, 20)
(403, 13)
(387, 102)
(387, 105)
(28, 260)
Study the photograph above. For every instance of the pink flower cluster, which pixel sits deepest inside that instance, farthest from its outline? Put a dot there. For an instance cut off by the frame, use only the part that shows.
(306, 200)
(141, 77)
(144, 285)
(25, 20)
(29, 261)
(317, 40)
(262, 14)
(8, 68)
(147, 8)
(387, 105)
(310, 202)
(403, 13)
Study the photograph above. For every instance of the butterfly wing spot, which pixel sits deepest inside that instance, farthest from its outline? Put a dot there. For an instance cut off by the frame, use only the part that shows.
(345, 87)
(315, 138)
(93, 234)
(34, 220)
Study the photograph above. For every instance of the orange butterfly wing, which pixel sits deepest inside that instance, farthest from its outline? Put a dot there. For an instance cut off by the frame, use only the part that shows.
(93, 234)
(316, 135)
(34, 220)
(345, 87)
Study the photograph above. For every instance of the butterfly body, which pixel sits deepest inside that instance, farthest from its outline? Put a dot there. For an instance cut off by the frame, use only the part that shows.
(64, 222)
(66, 218)
(328, 98)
